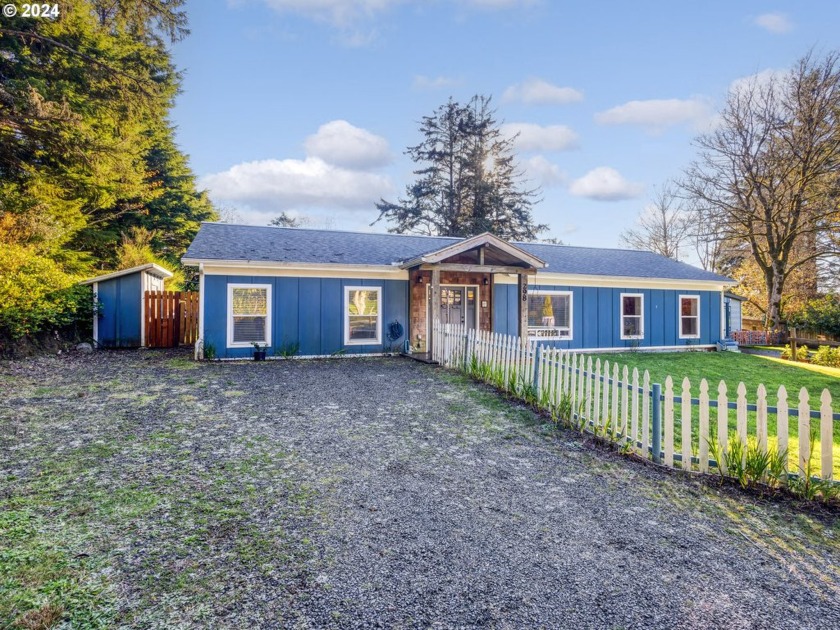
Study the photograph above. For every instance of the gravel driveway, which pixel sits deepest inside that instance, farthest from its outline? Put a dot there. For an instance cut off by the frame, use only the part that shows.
(375, 493)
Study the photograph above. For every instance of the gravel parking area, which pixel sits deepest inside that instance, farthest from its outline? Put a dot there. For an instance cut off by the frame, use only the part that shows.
(364, 493)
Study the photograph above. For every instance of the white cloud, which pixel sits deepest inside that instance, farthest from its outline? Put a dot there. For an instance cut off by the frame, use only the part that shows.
(544, 172)
(605, 184)
(337, 12)
(534, 137)
(499, 4)
(342, 144)
(272, 186)
(656, 114)
(536, 91)
(343, 13)
(761, 80)
(776, 23)
(424, 83)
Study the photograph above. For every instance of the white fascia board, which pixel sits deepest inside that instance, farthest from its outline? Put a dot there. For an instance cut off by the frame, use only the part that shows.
(268, 264)
(622, 282)
(151, 268)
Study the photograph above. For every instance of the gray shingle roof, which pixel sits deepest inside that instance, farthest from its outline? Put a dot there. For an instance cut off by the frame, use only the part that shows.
(222, 241)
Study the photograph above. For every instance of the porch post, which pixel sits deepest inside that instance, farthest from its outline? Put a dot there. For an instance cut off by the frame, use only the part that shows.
(522, 284)
(434, 313)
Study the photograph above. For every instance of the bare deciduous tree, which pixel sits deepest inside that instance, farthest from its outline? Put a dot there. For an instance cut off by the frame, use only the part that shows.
(662, 225)
(765, 172)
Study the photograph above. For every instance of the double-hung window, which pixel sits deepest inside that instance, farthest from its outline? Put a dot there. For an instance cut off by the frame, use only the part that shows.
(689, 317)
(362, 315)
(249, 315)
(550, 315)
(632, 316)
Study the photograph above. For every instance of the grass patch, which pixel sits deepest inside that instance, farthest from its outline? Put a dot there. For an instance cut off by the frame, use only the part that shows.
(43, 583)
(733, 368)
(810, 367)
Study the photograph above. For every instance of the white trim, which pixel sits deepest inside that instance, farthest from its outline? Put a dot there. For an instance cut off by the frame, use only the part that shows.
(144, 281)
(538, 292)
(384, 272)
(346, 317)
(348, 272)
(621, 316)
(271, 264)
(642, 349)
(618, 282)
(152, 268)
(229, 315)
(201, 296)
(680, 298)
(337, 355)
(723, 314)
(471, 243)
(96, 313)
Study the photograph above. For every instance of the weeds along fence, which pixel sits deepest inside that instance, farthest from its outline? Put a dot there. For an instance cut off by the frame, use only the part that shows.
(695, 428)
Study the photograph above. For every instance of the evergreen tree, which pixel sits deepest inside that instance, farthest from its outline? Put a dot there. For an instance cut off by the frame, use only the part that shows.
(86, 153)
(468, 181)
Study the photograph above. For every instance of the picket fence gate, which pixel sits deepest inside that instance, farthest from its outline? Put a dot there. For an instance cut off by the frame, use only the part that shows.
(663, 422)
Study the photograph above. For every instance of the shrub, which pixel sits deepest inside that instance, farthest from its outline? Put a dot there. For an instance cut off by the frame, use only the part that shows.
(827, 356)
(36, 294)
(801, 353)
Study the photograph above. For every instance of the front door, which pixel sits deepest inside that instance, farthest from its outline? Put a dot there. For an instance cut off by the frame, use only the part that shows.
(457, 305)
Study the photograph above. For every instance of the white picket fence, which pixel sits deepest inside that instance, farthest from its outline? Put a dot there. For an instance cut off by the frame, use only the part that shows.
(624, 406)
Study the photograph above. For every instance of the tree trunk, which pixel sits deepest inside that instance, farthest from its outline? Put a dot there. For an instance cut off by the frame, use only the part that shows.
(775, 280)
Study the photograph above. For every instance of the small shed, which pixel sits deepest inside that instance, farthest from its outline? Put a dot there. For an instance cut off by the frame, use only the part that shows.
(732, 304)
(119, 321)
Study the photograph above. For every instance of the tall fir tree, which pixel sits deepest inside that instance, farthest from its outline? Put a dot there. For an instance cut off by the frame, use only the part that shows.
(468, 181)
(85, 149)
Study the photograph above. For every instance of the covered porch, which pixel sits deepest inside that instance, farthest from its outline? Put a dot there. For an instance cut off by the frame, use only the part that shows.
(456, 284)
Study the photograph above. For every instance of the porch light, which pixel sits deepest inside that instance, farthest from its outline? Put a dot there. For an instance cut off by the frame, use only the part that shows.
(419, 279)
(486, 281)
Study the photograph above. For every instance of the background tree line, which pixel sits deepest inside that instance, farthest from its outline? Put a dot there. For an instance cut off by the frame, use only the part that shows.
(90, 176)
(760, 201)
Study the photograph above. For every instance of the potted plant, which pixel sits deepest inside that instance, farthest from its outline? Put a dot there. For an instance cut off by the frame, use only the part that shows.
(259, 351)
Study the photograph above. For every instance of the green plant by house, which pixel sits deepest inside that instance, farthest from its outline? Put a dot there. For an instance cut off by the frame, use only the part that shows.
(287, 350)
(209, 351)
(801, 353)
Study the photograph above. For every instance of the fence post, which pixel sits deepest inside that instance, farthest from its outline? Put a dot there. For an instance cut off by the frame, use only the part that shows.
(536, 381)
(656, 422)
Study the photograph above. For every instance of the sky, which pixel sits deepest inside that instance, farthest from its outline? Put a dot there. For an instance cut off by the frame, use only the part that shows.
(307, 106)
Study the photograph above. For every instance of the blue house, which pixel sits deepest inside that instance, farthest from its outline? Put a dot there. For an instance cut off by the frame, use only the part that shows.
(320, 292)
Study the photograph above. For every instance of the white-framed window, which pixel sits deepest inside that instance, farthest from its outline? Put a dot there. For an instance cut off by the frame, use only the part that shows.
(362, 316)
(248, 315)
(632, 315)
(689, 317)
(550, 314)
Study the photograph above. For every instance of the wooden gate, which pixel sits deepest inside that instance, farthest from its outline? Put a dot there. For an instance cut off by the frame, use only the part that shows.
(171, 318)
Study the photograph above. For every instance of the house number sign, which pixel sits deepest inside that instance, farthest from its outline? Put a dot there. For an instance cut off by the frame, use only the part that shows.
(524, 291)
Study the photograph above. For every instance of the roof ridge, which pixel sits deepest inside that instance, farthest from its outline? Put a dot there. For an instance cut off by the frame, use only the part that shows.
(308, 229)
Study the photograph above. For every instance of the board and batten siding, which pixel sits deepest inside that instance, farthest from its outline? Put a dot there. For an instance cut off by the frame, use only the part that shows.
(597, 316)
(119, 326)
(307, 312)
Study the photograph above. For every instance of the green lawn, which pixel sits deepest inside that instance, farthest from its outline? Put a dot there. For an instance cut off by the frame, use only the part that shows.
(734, 368)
